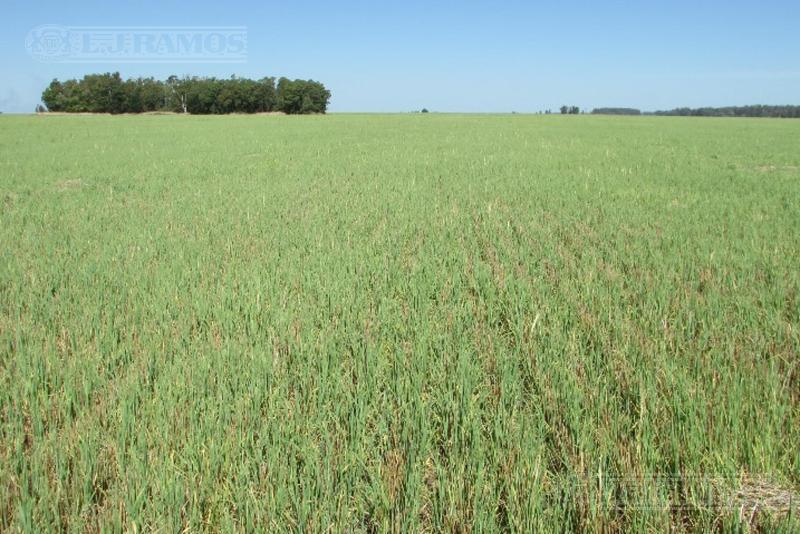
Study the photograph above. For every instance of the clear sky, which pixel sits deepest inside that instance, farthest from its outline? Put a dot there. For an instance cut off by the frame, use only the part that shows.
(457, 55)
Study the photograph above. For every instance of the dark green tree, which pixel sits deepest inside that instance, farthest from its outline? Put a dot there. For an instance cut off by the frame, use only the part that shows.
(53, 97)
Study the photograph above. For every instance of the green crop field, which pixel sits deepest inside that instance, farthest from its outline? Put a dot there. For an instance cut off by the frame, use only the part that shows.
(372, 323)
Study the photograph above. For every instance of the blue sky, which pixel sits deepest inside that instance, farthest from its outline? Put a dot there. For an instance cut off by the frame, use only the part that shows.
(457, 56)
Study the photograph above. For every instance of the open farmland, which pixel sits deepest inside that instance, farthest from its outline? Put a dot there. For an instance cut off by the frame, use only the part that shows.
(397, 322)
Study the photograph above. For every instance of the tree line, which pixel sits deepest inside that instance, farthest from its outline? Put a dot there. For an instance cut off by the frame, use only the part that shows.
(616, 111)
(731, 111)
(109, 93)
(736, 111)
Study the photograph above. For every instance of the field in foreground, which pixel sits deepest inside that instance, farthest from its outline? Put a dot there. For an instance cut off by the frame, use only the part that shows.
(374, 323)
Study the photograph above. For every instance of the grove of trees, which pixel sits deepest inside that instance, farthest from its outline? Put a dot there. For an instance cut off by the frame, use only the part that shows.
(109, 93)
(736, 111)
(616, 111)
(570, 110)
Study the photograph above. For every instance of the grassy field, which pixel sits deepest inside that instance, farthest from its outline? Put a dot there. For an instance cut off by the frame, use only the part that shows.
(398, 322)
